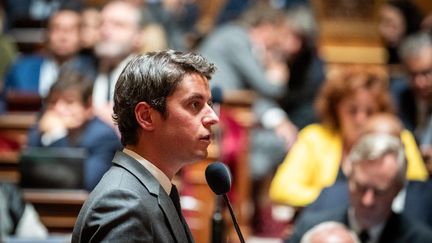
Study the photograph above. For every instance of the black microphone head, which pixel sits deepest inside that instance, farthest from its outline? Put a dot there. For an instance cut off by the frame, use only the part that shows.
(217, 94)
(218, 178)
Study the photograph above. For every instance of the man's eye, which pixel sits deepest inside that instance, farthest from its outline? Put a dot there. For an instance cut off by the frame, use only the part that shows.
(210, 103)
(195, 104)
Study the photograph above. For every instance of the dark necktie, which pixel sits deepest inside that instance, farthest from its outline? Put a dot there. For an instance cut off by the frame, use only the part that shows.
(364, 236)
(175, 197)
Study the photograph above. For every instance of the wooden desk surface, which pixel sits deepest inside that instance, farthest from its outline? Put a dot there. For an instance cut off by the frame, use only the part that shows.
(47, 196)
(57, 209)
(17, 120)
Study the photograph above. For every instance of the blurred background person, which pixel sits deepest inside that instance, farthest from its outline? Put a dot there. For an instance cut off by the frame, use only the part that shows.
(68, 120)
(376, 172)
(120, 34)
(306, 74)
(306, 67)
(414, 102)
(398, 19)
(349, 96)
(248, 43)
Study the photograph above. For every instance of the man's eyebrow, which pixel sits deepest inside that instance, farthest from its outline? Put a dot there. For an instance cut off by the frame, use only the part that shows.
(195, 96)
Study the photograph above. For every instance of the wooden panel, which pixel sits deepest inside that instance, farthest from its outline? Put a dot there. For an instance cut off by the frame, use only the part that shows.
(57, 209)
(349, 31)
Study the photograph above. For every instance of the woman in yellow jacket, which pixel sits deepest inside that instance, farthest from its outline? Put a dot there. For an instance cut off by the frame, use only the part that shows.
(347, 99)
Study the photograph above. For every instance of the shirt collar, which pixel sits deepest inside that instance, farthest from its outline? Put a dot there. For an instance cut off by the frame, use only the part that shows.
(155, 171)
(374, 232)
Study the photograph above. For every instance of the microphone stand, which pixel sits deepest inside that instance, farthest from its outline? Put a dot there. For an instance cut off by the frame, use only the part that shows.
(236, 226)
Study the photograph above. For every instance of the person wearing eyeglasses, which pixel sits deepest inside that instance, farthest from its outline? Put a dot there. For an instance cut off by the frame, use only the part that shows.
(415, 105)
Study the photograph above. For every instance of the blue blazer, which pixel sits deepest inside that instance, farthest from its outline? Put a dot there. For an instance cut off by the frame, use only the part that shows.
(24, 74)
(101, 143)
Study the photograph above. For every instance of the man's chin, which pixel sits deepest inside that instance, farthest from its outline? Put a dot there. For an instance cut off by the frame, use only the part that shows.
(110, 51)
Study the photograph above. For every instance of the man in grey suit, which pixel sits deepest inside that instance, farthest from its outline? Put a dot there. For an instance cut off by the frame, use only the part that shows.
(162, 106)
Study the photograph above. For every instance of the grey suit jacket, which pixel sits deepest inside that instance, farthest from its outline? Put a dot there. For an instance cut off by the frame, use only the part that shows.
(129, 205)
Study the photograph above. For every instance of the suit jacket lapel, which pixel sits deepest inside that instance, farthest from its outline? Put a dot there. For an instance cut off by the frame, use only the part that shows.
(174, 220)
(154, 187)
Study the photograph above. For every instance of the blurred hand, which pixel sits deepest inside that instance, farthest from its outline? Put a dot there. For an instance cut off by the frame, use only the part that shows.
(277, 73)
(51, 121)
(287, 131)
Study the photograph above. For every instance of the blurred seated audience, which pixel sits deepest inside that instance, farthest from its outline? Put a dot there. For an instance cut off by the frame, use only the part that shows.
(329, 232)
(34, 74)
(68, 120)
(120, 39)
(376, 169)
(413, 201)
(349, 96)
(306, 74)
(18, 218)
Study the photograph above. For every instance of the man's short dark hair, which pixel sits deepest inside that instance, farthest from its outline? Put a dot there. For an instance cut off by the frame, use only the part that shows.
(151, 78)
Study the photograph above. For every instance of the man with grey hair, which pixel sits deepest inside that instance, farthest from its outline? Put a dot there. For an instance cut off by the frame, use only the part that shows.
(120, 38)
(330, 232)
(415, 104)
(376, 169)
(162, 106)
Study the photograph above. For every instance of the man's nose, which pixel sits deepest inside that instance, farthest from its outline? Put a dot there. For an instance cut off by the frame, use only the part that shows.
(368, 197)
(361, 117)
(210, 118)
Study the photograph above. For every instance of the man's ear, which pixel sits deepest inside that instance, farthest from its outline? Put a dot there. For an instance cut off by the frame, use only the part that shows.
(143, 115)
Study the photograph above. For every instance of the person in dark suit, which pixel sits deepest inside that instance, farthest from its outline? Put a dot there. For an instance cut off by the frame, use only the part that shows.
(375, 169)
(162, 106)
(68, 120)
(415, 100)
(414, 201)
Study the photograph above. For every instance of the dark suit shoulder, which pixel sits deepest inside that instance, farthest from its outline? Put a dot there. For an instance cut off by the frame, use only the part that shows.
(119, 209)
(401, 229)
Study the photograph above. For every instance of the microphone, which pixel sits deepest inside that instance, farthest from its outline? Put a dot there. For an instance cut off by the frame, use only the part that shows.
(218, 224)
(218, 178)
